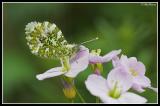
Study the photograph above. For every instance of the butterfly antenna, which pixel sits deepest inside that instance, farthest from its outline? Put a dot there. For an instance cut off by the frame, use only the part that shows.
(89, 41)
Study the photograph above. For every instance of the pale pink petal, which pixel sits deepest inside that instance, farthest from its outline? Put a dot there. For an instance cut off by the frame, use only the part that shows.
(50, 73)
(93, 59)
(124, 59)
(107, 99)
(132, 60)
(99, 59)
(131, 98)
(132, 63)
(137, 88)
(154, 89)
(82, 51)
(121, 77)
(126, 97)
(136, 65)
(96, 85)
(115, 61)
(141, 68)
(111, 55)
(124, 63)
(79, 63)
(140, 82)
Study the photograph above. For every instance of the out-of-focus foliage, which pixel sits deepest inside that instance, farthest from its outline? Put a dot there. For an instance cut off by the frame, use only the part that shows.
(130, 27)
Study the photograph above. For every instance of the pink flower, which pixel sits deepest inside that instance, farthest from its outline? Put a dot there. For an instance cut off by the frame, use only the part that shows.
(114, 89)
(97, 61)
(78, 63)
(136, 69)
(93, 59)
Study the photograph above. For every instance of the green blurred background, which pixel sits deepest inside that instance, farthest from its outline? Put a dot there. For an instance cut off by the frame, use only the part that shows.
(130, 27)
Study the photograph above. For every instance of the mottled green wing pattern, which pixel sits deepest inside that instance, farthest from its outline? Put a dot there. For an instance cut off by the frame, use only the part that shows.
(47, 41)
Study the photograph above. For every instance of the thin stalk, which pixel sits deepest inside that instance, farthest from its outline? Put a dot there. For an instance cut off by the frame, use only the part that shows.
(97, 100)
(80, 96)
(72, 101)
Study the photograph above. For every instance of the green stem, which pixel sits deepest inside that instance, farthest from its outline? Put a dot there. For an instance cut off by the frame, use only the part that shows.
(80, 96)
(97, 100)
(72, 101)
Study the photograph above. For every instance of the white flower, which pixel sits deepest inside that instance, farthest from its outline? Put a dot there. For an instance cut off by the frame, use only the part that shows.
(114, 89)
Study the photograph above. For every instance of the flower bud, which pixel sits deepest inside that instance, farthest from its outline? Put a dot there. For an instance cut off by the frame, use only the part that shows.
(69, 87)
(69, 92)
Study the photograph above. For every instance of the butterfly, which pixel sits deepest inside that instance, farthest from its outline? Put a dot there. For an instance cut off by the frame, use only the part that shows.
(47, 40)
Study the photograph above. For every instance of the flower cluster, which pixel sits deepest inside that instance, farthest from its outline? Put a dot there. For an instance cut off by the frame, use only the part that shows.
(126, 73)
(46, 40)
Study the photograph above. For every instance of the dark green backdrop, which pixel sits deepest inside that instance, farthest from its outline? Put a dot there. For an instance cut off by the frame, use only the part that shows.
(130, 27)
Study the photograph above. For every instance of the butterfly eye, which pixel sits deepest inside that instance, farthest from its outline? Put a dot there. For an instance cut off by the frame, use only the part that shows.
(46, 40)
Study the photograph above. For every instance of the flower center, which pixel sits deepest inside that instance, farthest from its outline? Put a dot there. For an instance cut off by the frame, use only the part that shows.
(65, 64)
(98, 67)
(133, 72)
(115, 92)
